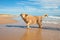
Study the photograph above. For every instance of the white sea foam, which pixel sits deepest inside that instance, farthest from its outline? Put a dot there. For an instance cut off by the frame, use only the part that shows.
(50, 22)
(55, 17)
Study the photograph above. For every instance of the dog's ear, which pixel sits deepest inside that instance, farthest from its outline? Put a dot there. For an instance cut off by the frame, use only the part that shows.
(26, 15)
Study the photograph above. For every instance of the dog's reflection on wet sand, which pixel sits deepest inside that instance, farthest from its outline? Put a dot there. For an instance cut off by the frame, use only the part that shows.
(32, 34)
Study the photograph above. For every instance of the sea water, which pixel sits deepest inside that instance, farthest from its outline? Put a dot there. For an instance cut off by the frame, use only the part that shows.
(52, 19)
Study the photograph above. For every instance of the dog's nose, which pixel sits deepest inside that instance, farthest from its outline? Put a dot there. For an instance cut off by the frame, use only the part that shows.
(20, 14)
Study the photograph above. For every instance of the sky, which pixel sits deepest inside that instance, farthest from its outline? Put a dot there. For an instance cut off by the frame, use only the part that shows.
(33, 7)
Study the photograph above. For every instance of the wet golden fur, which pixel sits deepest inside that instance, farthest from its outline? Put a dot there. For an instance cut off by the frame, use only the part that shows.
(29, 19)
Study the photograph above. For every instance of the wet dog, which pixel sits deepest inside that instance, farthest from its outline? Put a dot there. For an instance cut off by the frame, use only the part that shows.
(29, 19)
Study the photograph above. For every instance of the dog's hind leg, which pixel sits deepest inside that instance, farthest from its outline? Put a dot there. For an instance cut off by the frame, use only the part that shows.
(39, 24)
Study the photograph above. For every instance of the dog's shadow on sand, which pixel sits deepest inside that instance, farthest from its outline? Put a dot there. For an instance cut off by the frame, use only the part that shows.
(16, 26)
(46, 28)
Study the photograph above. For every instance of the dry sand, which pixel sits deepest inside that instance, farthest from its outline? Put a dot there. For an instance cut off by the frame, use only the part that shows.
(20, 32)
(5, 19)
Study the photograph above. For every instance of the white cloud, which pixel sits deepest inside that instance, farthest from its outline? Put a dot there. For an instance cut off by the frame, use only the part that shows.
(28, 3)
(29, 6)
(19, 9)
(29, 9)
(46, 0)
(12, 10)
(48, 7)
(48, 3)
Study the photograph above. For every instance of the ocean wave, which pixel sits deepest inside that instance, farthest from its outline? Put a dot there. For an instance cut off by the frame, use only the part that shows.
(51, 22)
(55, 17)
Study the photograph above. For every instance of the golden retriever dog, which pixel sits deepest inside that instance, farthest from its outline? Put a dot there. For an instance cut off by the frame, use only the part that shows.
(29, 19)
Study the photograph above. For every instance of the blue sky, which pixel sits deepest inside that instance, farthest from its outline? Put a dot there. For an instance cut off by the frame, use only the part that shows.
(34, 7)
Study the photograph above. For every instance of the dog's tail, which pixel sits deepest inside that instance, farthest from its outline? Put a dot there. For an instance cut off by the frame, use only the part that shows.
(46, 15)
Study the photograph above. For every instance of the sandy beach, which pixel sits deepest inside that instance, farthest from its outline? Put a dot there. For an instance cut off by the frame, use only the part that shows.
(11, 29)
(5, 19)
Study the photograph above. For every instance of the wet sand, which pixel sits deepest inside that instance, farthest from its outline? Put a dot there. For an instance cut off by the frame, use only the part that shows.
(12, 30)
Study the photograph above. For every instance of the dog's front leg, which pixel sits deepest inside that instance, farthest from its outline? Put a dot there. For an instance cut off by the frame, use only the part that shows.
(28, 25)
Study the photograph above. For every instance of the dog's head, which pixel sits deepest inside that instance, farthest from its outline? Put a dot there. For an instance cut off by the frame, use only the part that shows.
(23, 15)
